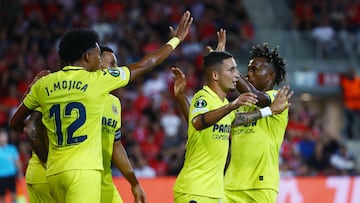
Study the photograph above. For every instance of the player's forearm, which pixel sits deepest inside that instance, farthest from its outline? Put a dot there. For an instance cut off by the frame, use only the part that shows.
(37, 136)
(208, 119)
(184, 106)
(16, 121)
(243, 85)
(121, 161)
(148, 62)
(246, 118)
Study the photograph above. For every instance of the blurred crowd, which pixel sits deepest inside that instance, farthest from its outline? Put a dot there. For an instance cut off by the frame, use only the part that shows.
(153, 131)
(333, 25)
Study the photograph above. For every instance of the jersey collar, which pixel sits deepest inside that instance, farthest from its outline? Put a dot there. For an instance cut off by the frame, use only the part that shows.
(73, 68)
(210, 91)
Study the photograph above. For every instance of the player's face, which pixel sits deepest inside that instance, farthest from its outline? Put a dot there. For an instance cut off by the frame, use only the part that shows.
(108, 60)
(228, 75)
(259, 72)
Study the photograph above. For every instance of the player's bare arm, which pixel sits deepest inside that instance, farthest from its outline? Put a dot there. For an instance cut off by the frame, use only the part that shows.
(179, 91)
(17, 121)
(153, 59)
(279, 104)
(207, 119)
(36, 133)
(121, 161)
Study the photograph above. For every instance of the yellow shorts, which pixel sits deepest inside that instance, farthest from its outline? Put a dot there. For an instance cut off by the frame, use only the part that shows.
(190, 198)
(76, 186)
(39, 193)
(250, 196)
(110, 195)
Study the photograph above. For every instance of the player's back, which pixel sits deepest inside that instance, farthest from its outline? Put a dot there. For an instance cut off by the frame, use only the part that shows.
(72, 103)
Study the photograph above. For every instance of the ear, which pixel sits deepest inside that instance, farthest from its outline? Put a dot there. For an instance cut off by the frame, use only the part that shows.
(86, 56)
(215, 75)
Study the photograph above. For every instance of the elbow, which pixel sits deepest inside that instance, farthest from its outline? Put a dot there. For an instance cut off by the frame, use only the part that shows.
(197, 123)
(13, 124)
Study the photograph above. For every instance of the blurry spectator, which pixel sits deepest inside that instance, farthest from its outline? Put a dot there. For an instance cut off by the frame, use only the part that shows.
(103, 27)
(171, 122)
(153, 86)
(10, 166)
(344, 161)
(350, 84)
(324, 37)
(306, 147)
(324, 148)
(142, 169)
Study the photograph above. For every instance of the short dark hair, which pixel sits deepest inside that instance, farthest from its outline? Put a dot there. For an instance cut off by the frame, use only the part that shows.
(215, 58)
(75, 43)
(105, 48)
(272, 57)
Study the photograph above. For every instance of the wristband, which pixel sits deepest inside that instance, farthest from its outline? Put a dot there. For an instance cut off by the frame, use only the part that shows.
(174, 42)
(266, 111)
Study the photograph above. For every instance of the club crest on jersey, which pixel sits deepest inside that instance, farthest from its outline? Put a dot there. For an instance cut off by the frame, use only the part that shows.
(114, 72)
(200, 103)
(114, 109)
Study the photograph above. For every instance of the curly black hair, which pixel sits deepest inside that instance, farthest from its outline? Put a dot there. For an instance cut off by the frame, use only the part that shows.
(272, 57)
(75, 43)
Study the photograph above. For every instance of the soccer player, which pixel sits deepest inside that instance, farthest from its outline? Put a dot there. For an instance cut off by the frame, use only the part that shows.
(112, 149)
(241, 118)
(253, 175)
(71, 102)
(201, 178)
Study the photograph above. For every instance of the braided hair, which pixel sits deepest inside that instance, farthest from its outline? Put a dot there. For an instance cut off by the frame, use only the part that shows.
(272, 57)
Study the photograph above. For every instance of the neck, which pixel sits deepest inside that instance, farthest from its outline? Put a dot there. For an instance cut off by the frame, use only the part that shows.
(220, 92)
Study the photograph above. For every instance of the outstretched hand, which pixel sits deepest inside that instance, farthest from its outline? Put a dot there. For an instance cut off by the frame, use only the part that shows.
(221, 35)
(281, 101)
(179, 81)
(183, 28)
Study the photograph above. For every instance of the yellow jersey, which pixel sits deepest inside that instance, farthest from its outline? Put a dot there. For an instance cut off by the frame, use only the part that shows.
(71, 102)
(254, 162)
(206, 150)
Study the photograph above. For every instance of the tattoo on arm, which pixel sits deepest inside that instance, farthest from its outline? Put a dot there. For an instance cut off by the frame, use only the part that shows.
(246, 118)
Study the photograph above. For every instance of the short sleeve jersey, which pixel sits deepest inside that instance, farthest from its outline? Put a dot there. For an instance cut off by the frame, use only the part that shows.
(255, 149)
(206, 150)
(111, 123)
(71, 102)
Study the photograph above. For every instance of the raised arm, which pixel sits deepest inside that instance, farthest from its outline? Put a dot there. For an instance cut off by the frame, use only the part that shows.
(179, 92)
(153, 59)
(121, 161)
